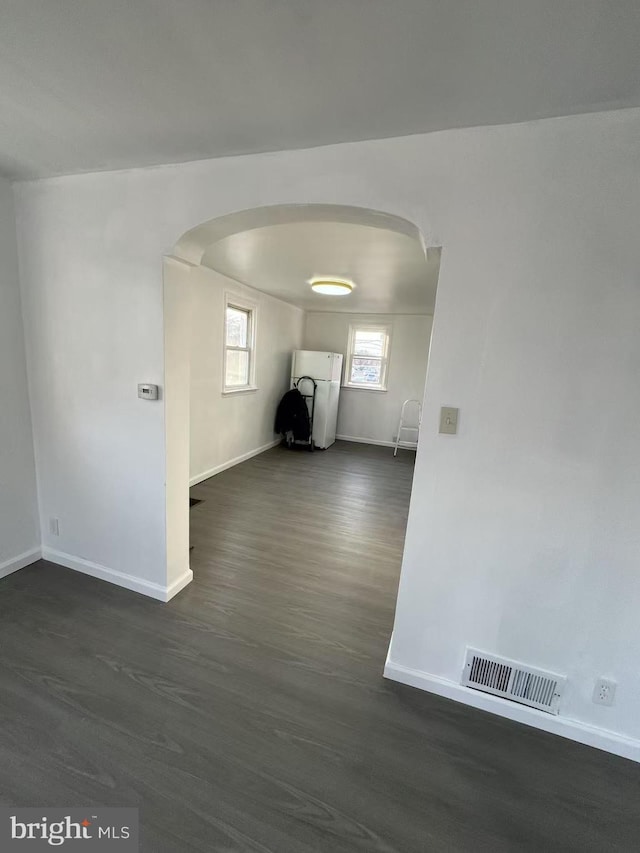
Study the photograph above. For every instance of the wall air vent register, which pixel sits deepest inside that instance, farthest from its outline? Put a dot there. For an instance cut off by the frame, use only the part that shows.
(514, 681)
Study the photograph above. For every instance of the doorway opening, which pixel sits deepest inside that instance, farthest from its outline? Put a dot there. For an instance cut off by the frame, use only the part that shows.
(321, 533)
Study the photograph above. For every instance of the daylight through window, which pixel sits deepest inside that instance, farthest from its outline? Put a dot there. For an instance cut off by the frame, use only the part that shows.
(238, 348)
(368, 356)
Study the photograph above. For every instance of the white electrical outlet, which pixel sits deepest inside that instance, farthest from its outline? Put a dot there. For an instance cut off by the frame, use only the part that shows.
(54, 527)
(604, 691)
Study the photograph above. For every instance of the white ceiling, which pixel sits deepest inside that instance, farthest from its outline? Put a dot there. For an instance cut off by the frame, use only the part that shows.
(102, 84)
(388, 268)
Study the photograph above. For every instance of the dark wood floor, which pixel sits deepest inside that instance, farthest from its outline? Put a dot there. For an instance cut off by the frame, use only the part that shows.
(250, 714)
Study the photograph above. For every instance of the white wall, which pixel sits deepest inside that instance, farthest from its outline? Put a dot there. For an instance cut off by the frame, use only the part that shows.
(225, 428)
(523, 535)
(19, 529)
(93, 307)
(176, 395)
(373, 415)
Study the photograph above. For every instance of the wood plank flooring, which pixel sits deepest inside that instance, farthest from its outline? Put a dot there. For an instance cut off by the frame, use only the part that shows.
(250, 714)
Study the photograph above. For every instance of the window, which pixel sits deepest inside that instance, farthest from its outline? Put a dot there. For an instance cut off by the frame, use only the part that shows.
(239, 344)
(368, 357)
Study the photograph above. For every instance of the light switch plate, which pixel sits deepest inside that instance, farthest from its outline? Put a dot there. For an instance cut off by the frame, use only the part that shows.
(448, 420)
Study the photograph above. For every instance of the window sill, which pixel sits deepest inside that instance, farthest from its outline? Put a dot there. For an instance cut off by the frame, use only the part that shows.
(246, 389)
(363, 388)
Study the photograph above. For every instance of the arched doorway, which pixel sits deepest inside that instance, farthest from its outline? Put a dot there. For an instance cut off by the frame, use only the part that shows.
(179, 268)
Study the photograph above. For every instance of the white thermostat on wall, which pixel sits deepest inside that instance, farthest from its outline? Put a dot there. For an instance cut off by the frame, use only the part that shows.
(148, 392)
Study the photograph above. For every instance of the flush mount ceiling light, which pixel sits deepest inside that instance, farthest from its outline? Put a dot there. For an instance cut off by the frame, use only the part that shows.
(331, 286)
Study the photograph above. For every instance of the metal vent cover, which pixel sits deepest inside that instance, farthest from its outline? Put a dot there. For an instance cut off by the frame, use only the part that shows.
(513, 680)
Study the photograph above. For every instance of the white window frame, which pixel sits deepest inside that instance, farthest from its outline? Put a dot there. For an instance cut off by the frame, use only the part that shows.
(231, 300)
(384, 359)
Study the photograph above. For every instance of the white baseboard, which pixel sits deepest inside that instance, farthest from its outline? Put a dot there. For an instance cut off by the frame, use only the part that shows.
(626, 747)
(20, 562)
(359, 440)
(153, 590)
(231, 462)
(179, 584)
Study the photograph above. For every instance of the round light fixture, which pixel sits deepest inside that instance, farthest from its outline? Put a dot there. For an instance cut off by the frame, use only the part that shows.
(331, 286)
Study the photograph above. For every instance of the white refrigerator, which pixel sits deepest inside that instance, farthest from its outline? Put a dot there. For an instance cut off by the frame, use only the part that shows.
(326, 369)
